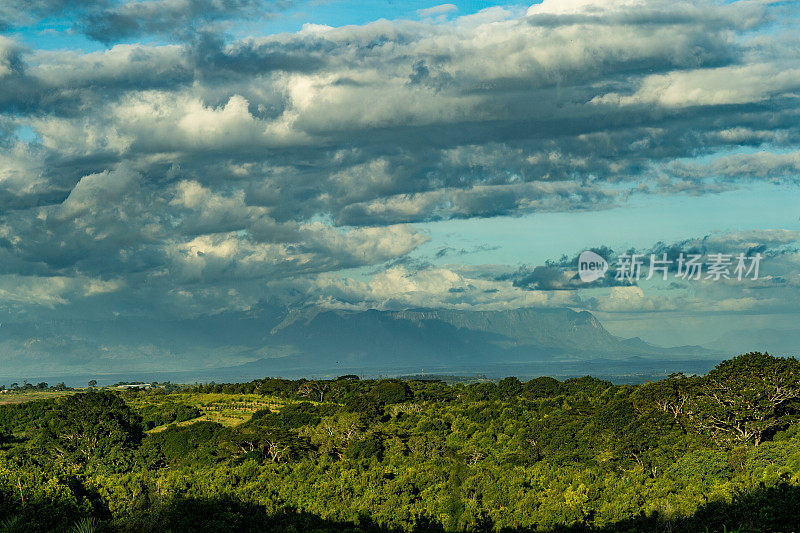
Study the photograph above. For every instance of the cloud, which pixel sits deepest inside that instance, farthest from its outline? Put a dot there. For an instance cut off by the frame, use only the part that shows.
(440, 11)
(762, 165)
(431, 287)
(109, 21)
(479, 201)
(10, 57)
(286, 160)
(562, 273)
(144, 17)
(729, 85)
(363, 108)
(20, 292)
(556, 284)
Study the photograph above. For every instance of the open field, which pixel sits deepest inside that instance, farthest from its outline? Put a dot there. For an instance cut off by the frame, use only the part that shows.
(226, 409)
(27, 396)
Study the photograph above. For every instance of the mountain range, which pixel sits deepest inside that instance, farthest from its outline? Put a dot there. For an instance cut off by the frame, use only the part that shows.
(321, 341)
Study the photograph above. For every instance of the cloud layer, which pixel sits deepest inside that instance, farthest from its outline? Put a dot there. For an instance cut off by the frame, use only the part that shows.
(183, 169)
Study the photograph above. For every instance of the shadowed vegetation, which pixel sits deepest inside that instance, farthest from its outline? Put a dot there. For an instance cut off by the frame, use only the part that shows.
(690, 453)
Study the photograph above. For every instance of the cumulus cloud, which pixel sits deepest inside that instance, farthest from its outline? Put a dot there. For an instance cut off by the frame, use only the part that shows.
(562, 273)
(521, 99)
(431, 287)
(286, 159)
(773, 290)
(727, 85)
(439, 12)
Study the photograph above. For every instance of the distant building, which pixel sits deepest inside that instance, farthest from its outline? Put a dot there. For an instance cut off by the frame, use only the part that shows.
(132, 386)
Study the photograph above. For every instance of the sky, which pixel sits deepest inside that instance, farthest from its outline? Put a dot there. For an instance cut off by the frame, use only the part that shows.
(184, 158)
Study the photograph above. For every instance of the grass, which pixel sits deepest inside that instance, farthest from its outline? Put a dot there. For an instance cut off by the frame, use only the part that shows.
(27, 396)
(226, 409)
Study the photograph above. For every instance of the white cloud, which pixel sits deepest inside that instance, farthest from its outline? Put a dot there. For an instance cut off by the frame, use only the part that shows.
(712, 87)
(288, 159)
(442, 10)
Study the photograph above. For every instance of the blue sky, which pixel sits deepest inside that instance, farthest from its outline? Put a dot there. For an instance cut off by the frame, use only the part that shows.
(185, 158)
(55, 32)
(534, 239)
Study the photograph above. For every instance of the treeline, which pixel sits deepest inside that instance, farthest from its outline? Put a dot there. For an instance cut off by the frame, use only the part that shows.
(32, 415)
(42, 386)
(719, 452)
(345, 387)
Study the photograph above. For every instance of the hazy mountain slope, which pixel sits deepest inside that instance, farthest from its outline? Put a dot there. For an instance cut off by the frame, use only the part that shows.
(317, 336)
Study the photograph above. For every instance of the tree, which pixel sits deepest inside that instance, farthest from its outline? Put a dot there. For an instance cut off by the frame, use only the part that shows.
(367, 447)
(92, 383)
(669, 395)
(94, 429)
(335, 432)
(541, 387)
(196, 443)
(509, 387)
(388, 392)
(747, 399)
(314, 389)
(274, 443)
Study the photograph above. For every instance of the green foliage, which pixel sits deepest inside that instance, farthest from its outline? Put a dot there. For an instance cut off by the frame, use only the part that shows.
(368, 447)
(580, 455)
(541, 387)
(95, 430)
(20, 417)
(87, 525)
(747, 399)
(294, 415)
(195, 443)
(154, 415)
(12, 524)
(388, 392)
(509, 387)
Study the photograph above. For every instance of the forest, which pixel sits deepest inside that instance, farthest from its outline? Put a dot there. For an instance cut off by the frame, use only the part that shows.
(718, 453)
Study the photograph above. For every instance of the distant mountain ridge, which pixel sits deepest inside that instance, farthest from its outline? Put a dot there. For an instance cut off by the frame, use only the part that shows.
(556, 328)
(319, 336)
(272, 340)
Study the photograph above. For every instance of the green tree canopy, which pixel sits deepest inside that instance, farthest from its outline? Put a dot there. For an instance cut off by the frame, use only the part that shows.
(95, 429)
(746, 399)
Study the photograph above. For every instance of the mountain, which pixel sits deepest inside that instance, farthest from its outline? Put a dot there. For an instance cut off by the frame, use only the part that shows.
(271, 340)
(553, 329)
(134, 343)
(328, 338)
